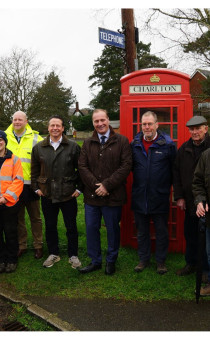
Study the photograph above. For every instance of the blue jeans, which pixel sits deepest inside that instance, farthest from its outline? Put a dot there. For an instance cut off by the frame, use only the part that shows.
(143, 236)
(208, 249)
(93, 216)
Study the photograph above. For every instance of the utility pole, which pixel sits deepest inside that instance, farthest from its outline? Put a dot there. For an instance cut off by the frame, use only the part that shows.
(129, 31)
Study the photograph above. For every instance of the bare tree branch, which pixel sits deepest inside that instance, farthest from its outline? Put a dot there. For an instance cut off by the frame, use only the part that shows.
(186, 30)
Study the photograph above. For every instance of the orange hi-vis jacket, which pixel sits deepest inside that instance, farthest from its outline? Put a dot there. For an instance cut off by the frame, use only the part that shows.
(11, 179)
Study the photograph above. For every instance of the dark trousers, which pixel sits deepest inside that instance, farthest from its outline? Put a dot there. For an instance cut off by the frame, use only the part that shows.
(208, 250)
(9, 234)
(69, 212)
(93, 216)
(191, 237)
(143, 236)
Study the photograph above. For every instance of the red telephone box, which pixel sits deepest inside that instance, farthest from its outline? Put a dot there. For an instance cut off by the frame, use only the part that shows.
(167, 93)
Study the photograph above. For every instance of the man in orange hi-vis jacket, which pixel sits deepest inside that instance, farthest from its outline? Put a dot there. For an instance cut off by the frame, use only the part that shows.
(11, 186)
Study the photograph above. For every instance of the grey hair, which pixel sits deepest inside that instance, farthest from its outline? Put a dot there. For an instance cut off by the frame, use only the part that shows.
(150, 113)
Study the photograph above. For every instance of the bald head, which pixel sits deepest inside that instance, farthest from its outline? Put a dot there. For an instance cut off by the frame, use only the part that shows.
(19, 121)
(19, 113)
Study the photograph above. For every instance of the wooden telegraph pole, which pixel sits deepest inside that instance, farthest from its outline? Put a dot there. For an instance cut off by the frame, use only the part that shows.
(129, 31)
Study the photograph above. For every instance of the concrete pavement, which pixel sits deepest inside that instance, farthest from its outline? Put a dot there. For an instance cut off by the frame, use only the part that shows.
(116, 315)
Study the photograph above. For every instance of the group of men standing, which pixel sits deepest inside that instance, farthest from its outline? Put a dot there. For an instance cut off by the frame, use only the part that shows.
(57, 170)
(156, 166)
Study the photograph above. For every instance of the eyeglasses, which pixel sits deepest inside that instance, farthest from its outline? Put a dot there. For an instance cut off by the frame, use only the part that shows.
(149, 124)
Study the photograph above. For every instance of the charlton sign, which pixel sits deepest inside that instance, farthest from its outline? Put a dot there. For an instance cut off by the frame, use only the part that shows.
(152, 89)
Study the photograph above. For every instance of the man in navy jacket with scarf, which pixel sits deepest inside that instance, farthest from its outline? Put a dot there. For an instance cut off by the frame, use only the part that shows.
(153, 157)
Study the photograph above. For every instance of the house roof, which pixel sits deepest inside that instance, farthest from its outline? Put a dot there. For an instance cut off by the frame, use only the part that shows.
(205, 73)
(76, 111)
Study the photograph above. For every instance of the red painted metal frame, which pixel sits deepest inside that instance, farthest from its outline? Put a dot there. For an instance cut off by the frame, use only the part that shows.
(183, 103)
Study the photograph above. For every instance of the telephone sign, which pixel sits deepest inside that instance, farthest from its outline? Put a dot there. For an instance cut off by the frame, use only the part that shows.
(111, 38)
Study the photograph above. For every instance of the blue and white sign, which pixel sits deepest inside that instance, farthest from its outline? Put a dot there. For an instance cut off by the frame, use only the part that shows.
(111, 38)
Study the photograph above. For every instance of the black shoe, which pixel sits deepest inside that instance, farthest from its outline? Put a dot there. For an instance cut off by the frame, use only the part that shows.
(110, 268)
(90, 268)
(2, 267)
(187, 270)
(205, 277)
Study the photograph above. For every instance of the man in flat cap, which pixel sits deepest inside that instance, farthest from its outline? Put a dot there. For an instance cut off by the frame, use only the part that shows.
(187, 158)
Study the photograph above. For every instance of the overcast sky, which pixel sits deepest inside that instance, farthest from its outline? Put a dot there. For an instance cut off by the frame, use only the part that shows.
(64, 36)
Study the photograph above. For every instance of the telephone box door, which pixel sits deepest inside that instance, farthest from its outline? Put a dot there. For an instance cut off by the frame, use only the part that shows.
(171, 121)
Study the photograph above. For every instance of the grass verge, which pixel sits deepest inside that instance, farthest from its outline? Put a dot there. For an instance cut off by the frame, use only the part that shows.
(31, 278)
(33, 323)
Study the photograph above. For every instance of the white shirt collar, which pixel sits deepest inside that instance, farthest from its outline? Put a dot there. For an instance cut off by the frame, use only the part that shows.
(55, 145)
(106, 134)
(152, 139)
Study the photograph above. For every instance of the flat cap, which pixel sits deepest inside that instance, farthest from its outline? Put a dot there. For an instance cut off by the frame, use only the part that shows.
(196, 120)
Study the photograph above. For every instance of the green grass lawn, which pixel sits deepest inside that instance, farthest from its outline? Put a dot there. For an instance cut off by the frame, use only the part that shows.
(33, 323)
(31, 278)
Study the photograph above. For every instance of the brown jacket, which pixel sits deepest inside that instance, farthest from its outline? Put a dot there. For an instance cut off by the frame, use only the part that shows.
(109, 165)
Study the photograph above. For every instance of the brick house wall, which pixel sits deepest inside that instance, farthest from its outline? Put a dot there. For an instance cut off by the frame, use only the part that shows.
(196, 88)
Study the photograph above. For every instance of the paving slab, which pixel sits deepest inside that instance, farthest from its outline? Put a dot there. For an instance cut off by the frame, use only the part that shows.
(118, 315)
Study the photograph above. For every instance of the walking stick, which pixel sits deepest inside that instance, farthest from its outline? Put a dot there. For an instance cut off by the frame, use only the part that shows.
(200, 255)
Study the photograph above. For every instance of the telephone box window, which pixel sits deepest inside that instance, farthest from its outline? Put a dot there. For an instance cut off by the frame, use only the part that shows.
(165, 128)
(134, 130)
(135, 115)
(174, 131)
(174, 114)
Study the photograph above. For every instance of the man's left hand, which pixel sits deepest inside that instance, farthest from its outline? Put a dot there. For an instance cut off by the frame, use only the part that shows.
(201, 209)
(101, 190)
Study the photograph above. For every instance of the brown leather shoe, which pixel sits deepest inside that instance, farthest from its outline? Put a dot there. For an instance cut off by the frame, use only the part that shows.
(205, 291)
(141, 266)
(161, 268)
(38, 253)
(21, 252)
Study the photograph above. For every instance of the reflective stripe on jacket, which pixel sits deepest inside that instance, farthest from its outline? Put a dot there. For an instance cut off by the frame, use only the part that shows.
(24, 148)
(11, 179)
